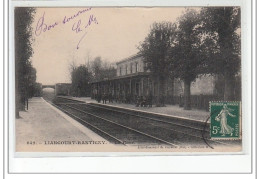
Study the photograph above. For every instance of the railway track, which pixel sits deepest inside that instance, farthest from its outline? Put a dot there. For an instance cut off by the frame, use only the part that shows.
(130, 127)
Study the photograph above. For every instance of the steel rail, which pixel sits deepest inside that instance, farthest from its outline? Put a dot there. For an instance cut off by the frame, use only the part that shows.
(157, 120)
(141, 116)
(187, 134)
(120, 141)
(149, 118)
(69, 103)
(131, 129)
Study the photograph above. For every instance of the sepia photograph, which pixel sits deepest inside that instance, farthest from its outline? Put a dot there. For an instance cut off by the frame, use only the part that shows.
(128, 79)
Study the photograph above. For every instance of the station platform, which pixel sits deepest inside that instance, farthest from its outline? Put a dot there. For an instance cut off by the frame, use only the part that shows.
(171, 110)
(45, 128)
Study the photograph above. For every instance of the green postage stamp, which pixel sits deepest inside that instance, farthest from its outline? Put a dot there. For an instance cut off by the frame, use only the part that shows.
(225, 120)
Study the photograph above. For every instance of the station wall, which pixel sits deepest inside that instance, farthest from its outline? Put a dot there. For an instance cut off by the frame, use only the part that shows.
(130, 66)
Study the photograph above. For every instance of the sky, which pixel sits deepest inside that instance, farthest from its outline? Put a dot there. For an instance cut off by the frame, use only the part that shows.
(65, 35)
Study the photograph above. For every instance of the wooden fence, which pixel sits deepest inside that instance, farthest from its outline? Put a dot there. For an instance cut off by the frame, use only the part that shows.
(197, 101)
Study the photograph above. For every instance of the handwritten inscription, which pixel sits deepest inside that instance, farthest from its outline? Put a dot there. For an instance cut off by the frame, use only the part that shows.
(78, 27)
(42, 26)
(67, 19)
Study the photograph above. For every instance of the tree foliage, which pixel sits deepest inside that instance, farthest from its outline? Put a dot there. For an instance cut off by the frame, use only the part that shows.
(200, 42)
(25, 74)
(102, 70)
(154, 51)
(185, 57)
(155, 46)
(96, 68)
(81, 78)
(222, 24)
(83, 75)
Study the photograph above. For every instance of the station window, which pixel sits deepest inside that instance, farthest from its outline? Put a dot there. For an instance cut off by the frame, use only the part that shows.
(131, 68)
(126, 69)
(136, 67)
(120, 71)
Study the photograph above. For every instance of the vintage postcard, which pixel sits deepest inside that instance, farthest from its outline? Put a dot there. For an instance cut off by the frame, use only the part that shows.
(128, 79)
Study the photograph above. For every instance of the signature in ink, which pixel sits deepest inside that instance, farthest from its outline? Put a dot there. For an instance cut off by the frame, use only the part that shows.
(68, 19)
(43, 27)
(78, 27)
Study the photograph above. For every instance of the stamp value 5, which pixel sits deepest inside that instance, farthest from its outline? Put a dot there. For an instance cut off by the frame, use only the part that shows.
(225, 120)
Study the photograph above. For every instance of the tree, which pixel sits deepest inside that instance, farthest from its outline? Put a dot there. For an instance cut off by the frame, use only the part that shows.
(83, 75)
(154, 51)
(23, 53)
(80, 81)
(32, 85)
(96, 68)
(102, 70)
(223, 25)
(186, 60)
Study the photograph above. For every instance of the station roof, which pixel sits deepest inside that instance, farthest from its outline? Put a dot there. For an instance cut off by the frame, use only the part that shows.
(130, 58)
(133, 75)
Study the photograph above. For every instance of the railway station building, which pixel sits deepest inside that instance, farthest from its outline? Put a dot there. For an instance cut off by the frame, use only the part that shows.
(132, 80)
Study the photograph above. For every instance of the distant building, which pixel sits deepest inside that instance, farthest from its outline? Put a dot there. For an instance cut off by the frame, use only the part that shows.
(62, 89)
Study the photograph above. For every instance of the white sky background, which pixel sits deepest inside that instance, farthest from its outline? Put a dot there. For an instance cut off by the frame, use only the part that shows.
(116, 36)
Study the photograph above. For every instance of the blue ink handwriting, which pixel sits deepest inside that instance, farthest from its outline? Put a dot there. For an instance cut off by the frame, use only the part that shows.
(67, 19)
(42, 27)
(77, 27)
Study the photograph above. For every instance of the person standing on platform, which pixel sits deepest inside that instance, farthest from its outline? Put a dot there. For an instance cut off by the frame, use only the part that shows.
(110, 100)
(99, 97)
(104, 98)
(141, 101)
(137, 101)
(150, 100)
